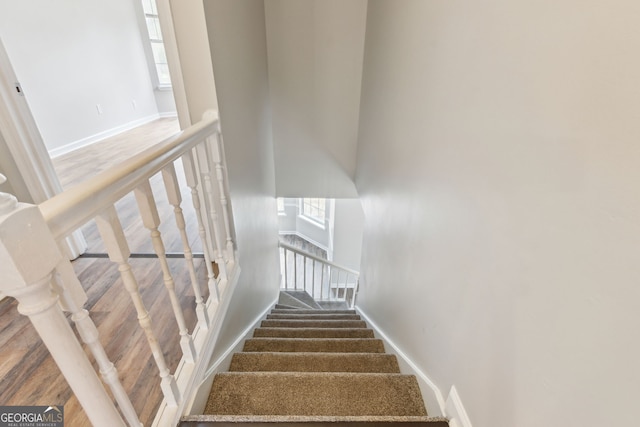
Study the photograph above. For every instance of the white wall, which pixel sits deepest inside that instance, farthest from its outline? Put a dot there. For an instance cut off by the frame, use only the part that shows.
(347, 234)
(315, 50)
(498, 169)
(238, 48)
(195, 56)
(71, 55)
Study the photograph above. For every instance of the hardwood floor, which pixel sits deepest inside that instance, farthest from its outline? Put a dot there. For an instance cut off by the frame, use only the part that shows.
(86, 162)
(28, 375)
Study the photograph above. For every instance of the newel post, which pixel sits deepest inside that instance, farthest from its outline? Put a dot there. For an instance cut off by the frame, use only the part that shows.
(28, 258)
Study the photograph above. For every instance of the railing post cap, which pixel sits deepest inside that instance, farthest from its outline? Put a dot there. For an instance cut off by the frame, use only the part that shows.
(8, 202)
(28, 252)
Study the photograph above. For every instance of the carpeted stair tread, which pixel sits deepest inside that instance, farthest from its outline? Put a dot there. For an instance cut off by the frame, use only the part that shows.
(330, 316)
(314, 362)
(302, 297)
(303, 311)
(330, 345)
(313, 333)
(307, 421)
(288, 323)
(286, 307)
(291, 301)
(333, 305)
(321, 393)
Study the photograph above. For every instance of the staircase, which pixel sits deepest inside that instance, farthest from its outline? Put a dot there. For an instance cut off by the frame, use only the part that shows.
(309, 366)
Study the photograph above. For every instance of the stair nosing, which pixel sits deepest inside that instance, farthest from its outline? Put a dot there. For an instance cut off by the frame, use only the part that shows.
(315, 418)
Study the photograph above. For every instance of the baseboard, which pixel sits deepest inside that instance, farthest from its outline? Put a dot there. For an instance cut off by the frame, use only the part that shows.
(222, 363)
(84, 142)
(431, 394)
(455, 411)
(168, 114)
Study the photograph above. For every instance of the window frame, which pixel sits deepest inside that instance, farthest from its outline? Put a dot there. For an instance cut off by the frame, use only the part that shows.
(309, 201)
(151, 41)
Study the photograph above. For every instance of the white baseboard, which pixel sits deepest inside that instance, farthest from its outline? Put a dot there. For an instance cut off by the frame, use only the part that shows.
(169, 114)
(67, 148)
(455, 411)
(222, 363)
(434, 400)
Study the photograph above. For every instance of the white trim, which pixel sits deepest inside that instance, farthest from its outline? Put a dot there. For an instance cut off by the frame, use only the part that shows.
(455, 410)
(223, 362)
(173, 59)
(168, 114)
(84, 142)
(27, 148)
(430, 391)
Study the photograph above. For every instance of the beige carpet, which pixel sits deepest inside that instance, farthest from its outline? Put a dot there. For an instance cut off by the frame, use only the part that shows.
(314, 367)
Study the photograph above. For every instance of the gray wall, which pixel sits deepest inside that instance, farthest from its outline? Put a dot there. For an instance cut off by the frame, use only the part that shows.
(239, 51)
(498, 169)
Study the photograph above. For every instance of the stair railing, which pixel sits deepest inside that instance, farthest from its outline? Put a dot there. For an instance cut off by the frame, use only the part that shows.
(322, 279)
(34, 271)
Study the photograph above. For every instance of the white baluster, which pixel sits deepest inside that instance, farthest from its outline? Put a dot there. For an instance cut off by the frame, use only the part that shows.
(190, 174)
(207, 179)
(286, 280)
(216, 151)
(322, 282)
(313, 278)
(151, 220)
(111, 232)
(28, 257)
(295, 271)
(64, 277)
(175, 199)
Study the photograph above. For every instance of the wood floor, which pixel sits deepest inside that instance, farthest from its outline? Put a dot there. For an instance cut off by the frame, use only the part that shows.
(28, 375)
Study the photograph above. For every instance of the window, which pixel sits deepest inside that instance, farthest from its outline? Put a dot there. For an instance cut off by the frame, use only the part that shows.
(314, 209)
(157, 45)
(280, 201)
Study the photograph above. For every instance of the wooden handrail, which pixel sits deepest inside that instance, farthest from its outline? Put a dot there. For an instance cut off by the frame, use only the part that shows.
(72, 208)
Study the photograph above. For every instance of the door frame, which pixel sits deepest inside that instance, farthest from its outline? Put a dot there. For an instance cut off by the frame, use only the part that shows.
(25, 143)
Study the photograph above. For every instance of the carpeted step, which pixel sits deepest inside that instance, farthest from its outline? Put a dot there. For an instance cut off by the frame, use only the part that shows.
(314, 316)
(285, 307)
(313, 333)
(302, 311)
(321, 393)
(333, 305)
(329, 345)
(307, 421)
(302, 297)
(286, 299)
(288, 323)
(314, 362)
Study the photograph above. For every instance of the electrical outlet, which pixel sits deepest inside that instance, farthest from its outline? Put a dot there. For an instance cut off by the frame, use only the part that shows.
(99, 109)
